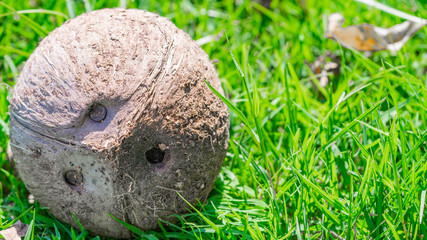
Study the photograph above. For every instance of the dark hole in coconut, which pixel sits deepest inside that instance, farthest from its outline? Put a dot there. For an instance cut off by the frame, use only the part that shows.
(97, 112)
(154, 155)
(73, 177)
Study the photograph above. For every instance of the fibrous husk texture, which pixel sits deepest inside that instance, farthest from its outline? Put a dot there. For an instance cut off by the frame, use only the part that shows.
(163, 131)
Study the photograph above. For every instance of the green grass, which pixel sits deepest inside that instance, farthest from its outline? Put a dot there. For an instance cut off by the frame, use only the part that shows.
(350, 165)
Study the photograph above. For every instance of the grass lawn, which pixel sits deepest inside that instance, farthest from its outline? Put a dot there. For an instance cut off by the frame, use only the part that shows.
(345, 162)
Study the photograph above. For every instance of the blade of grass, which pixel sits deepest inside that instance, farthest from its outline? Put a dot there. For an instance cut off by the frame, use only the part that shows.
(132, 228)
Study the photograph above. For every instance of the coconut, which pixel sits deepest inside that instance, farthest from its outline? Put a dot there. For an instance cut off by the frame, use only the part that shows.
(111, 115)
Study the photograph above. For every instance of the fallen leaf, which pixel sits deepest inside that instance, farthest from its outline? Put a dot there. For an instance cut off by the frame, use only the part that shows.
(366, 37)
(15, 232)
(325, 66)
(10, 234)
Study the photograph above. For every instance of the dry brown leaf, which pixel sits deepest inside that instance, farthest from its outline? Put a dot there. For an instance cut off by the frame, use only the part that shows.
(15, 232)
(10, 234)
(366, 37)
(325, 66)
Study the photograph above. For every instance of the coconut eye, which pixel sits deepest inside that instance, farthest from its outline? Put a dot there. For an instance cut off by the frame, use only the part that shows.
(73, 178)
(154, 155)
(97, 113)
